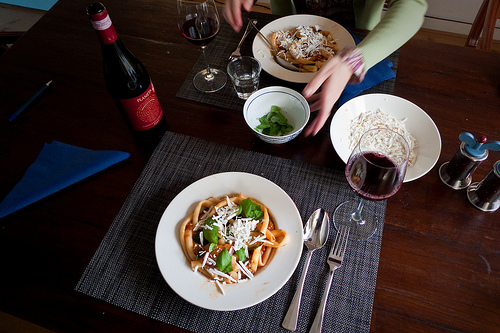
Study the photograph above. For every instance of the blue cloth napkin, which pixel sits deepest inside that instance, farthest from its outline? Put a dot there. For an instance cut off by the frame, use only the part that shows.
(57, 166)
(378, 73)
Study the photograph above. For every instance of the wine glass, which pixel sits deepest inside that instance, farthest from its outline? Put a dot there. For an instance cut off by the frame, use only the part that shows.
(199, 23)
(375, 171)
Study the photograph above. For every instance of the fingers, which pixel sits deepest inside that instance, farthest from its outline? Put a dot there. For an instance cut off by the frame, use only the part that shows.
(320, 120)
(314, 102)
(332, 79)
(248, 4)
(312, 98)
(232, 12)
(326, 71)
(317, 124)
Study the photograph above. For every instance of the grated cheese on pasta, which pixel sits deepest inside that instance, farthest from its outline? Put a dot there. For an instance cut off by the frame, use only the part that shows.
(379, 119)
(235, 232)
(304, 42)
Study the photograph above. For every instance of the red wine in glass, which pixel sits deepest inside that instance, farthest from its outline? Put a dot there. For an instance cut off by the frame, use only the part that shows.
(199, 23)
(200, 33)
(373, 176)
(375, 171)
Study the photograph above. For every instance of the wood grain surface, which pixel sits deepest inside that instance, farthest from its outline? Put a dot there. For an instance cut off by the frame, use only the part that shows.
(440, 258)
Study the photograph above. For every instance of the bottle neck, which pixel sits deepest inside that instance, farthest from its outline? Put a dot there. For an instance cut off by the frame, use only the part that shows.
(104, 27)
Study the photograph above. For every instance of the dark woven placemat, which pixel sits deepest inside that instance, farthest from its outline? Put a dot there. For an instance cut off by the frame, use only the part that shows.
(124, 271)
(221, 48)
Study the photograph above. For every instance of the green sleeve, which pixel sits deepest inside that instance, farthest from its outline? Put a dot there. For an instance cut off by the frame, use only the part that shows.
(283, 7)
(401, 21)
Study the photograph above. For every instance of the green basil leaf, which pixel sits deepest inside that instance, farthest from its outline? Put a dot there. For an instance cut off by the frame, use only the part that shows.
(241, 255)
(274, 129)
(263, 126)
(212, 247)
(286, 129)
(264, 120)
(274, 123)
(211, 234)
(251, 209)
(223, 261)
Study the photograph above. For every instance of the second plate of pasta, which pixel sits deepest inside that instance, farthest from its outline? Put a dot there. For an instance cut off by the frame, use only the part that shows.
(262, 52)
(196, 288)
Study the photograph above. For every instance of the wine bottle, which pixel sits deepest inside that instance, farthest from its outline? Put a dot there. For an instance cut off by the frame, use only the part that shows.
(127, 79)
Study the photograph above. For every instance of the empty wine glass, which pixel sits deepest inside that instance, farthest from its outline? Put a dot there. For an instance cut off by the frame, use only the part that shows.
(375, 171)
(199, 23)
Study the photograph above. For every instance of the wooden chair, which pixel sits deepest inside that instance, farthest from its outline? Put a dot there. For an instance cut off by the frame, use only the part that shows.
(485, 21)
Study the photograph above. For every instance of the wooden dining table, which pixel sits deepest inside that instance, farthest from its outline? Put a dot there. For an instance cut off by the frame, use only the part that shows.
(439, 267)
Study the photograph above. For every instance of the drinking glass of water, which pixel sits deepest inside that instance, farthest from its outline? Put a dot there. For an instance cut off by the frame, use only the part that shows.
(245, 74)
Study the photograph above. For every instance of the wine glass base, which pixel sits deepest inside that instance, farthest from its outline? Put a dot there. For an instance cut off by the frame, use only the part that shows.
(212, 82)
(360, 230)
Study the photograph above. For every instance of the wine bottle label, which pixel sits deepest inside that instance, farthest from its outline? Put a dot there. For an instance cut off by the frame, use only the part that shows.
(102, 24)
(144, 111)
(104, 27)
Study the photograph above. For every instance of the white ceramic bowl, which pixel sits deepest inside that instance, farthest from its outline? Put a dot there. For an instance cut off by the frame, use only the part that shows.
(195, 287)
(416, 121)
(262, 52)
(293, 106)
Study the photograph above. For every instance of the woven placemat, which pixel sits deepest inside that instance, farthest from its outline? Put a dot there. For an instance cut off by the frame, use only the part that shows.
(225, 43)
(124, 271)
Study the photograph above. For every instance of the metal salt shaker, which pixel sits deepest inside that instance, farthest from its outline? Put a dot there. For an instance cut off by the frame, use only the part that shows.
(485, 195)
(457, 173)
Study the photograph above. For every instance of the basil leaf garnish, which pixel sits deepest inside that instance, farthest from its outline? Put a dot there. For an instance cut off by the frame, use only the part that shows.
(212, 247)
(241, 255)
(251, 209)
(211, 234)
(223, 261)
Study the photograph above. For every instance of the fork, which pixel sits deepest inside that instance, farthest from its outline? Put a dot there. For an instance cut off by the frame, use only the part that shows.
(237, 53)
(335, 261)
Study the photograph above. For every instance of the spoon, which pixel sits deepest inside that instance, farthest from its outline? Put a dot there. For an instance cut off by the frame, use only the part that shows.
(282, 62)
(315, 236)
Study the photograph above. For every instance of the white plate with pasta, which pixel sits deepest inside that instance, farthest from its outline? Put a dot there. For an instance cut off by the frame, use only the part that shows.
(378, 110)
(262, 52)
(198, 289)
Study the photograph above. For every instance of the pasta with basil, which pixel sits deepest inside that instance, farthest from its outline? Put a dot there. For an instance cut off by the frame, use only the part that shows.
(229, 239)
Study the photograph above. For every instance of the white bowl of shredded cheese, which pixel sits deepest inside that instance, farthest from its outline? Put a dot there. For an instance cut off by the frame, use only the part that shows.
(381, 110)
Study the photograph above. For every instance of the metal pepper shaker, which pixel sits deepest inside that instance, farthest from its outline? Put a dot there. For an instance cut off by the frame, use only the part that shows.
(485, 195)
(458, 171)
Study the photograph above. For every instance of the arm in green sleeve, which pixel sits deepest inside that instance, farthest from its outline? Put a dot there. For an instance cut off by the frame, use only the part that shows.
(401, 21)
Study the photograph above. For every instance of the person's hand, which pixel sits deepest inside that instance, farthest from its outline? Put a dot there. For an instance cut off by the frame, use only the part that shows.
(332, 78)
(232, 12)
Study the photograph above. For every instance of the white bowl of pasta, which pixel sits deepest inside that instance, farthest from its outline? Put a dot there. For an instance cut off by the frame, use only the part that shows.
(368, 111)
(262, 52)
(174, 238)
(276, 114)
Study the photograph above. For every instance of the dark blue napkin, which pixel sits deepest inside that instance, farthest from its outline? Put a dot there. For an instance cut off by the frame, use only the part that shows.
(57, 166)
(378, 73)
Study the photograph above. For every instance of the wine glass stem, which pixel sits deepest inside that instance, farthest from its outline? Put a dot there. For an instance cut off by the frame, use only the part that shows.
(356, 216)
(209, 76)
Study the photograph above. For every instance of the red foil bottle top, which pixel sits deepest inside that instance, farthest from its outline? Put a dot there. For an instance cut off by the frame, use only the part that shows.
(103, 25)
